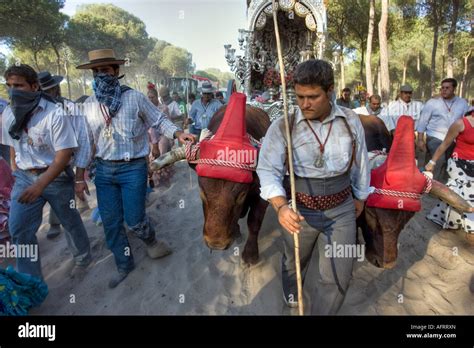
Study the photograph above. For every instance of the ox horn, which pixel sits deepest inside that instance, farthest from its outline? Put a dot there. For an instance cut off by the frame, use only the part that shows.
(168, 158)
(450, 197)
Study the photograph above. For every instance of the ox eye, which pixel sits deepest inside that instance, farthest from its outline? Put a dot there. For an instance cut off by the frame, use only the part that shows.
(241, 197)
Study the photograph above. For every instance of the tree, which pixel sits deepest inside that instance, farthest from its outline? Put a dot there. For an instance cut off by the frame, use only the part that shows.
(337, 32)
(154, 60)
(368, 65)
(176, 61)
(436, 12)
(108, 26)
(452, 32)
(33, 25)
(208, 75)
(384, 72)
(101, 26)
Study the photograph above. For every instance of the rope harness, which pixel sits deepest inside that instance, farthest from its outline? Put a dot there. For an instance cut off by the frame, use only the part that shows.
(192, 150)
(393, 193)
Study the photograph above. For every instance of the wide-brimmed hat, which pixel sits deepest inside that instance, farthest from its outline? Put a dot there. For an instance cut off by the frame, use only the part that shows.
(100, 58)
(47, 81)
(207, 88)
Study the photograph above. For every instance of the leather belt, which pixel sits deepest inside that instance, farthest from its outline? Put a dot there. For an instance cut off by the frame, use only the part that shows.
(125, 161)
(37, 171)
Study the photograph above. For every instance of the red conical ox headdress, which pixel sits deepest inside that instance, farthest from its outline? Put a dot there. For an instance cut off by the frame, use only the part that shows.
(398, 181)
(229, 153)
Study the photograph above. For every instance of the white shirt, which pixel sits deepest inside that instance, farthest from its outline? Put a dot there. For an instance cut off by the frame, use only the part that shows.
(129, 126)
(337, 154)
(49, 131)
(397, 108)
(436, 117)
(174, 110)
(82, 155)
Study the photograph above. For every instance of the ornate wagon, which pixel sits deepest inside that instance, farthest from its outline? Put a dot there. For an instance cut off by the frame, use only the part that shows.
(302, 25)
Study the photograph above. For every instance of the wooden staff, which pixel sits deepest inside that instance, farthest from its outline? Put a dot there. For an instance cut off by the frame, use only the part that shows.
(290, 160)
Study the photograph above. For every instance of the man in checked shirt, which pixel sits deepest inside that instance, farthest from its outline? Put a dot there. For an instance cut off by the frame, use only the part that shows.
(330, 161)
(120, 118)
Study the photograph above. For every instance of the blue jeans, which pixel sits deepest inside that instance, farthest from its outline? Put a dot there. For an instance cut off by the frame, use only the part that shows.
(25, 219)
(322, 228)
(121, 193)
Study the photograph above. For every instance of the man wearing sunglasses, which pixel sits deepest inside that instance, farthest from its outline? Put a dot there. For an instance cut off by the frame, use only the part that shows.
(437, 116)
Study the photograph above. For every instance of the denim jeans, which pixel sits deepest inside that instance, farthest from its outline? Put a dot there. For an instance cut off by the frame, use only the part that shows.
(25, 219)
(322, 228)
(121, 193)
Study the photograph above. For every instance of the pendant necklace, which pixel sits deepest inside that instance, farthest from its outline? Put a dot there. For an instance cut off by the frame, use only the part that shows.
(450, 113)
(108, 121)
(319, 163)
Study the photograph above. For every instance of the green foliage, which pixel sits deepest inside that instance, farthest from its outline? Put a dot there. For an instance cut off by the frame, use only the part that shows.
(206, 74)
(410, 34)
(108, 26)
(176, 61)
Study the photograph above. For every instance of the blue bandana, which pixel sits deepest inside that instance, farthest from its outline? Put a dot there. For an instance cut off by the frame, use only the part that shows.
(108, 92)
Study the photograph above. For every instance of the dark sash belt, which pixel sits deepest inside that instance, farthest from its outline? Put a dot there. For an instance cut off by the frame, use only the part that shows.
(322, 202)
(321, 193)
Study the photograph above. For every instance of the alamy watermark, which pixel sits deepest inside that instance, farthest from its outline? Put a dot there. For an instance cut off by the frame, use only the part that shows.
(336, 250)
(37, 331)
(20, 251)
(244, 156)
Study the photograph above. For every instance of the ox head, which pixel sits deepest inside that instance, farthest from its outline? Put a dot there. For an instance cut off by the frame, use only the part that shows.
(223, 203)
(398, 187)
(223, 187)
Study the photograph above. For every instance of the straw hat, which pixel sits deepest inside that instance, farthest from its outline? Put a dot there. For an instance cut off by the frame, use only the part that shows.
(100, 58)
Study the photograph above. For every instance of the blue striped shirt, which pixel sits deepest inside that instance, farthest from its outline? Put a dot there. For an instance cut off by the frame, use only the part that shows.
(129, 138)
(201, 114)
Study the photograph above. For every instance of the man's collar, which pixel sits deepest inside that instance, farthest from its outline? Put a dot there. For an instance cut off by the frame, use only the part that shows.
(42, 104)
(453, 98)
(404, 102)
(335, 112)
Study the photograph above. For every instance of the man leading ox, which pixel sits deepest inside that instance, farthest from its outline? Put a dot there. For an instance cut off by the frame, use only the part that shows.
(331, 165)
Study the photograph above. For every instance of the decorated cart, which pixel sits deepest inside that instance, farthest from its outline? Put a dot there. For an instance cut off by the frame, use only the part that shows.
(302, 25)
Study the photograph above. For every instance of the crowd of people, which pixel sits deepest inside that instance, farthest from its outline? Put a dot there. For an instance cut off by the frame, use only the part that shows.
(444, 139)
(55, 146)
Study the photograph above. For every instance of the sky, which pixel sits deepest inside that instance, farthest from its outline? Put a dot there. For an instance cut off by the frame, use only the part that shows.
(202, 27)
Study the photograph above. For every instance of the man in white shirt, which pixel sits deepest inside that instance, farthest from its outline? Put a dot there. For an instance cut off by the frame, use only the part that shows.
(437, 116)
(404, 105)
(42, 141)
(374, 107)
(175, 113)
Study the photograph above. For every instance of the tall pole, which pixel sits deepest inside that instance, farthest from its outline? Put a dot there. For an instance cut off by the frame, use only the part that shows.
(290, 159)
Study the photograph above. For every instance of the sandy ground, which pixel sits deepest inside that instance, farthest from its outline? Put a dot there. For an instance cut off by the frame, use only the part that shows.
(433, 276)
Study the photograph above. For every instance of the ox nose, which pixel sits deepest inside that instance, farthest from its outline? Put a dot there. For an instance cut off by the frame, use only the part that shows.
(218, 245)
